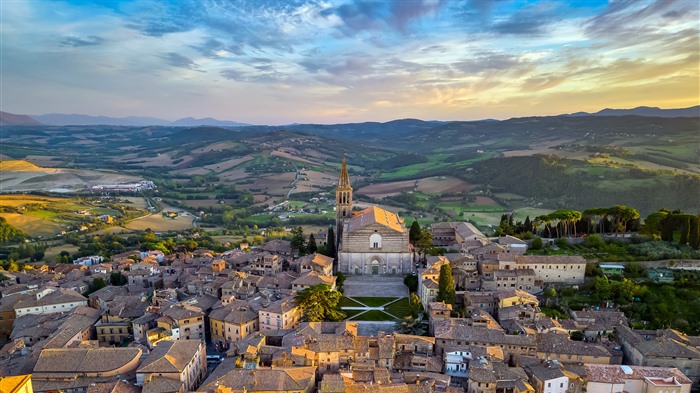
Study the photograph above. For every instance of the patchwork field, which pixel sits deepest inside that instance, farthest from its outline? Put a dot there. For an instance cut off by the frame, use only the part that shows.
(33, 226)
(158, 223)
(20, 175)
(381, 190)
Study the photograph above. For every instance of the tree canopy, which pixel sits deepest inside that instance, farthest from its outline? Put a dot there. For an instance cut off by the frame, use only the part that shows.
(319, 303)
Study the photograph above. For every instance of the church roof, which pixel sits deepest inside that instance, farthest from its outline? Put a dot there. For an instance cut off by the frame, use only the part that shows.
(376, 215)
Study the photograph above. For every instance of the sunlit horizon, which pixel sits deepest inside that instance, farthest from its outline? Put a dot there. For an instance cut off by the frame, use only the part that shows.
(328, 62)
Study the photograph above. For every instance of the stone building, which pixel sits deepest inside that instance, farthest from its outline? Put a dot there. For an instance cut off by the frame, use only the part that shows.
(372, 241)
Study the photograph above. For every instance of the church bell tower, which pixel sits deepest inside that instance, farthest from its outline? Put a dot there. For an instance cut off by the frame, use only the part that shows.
(343, 202)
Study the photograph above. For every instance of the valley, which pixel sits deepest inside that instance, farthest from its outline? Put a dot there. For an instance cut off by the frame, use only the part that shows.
(425, 171)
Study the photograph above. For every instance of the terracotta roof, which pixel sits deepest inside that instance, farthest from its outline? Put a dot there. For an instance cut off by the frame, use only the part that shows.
(377, 215)
(161, 385)
(561, 344)
(112, 387)
(313, 278)
(12, 384)
(261, 379)
(618, 374)
(238, 311)
(170, 357)
(84, 360)
(59, 296)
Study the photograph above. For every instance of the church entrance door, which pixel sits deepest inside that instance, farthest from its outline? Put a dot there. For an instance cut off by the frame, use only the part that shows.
(357, 270)
(375, 267)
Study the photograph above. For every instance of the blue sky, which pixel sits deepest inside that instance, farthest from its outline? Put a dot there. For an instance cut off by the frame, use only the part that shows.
(270, 62)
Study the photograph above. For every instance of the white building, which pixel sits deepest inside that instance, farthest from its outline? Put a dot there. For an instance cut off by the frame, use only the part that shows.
(50, 300)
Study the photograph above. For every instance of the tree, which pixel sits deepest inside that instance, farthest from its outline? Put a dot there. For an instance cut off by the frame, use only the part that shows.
(603, 289)
(298, 242)
(537, 243)
(685, 230)
(623, 215)
(577, 335)
(695, 233)
(414, 232)
(319, 303)
(117, 279)
(191, 245)
(446, 285)
(411, 281)
(311, 247)
(411, 325)
(330, 243)
(425, 240)
(549, 293)
(97, 284)
(416, 305)
(339, 281)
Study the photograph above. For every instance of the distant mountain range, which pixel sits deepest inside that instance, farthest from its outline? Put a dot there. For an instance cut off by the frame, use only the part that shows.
(648, 111)
(62, 119)
(9, 119)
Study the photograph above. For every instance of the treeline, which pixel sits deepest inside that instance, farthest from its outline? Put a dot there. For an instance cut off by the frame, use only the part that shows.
(8, 233)
(568, 184)
(662, 225)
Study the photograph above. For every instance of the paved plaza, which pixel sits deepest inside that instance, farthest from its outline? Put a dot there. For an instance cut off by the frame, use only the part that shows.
(375, 286)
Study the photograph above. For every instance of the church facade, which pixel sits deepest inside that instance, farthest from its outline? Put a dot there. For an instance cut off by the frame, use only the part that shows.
(370, 242)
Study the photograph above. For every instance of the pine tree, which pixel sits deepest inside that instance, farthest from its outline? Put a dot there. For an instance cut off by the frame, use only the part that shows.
(446, 285)
(311, 246)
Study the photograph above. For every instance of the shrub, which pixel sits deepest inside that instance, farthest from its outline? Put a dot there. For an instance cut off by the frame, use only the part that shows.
(537, 243)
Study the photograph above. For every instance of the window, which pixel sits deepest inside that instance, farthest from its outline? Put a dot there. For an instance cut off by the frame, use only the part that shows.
(549, 384)
(375, 241)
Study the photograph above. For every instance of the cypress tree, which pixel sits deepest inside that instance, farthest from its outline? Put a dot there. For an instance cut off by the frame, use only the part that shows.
(414, 233)
(685, 231)
(330, 243)
(311, 246)
(695, 233)
(446, 285)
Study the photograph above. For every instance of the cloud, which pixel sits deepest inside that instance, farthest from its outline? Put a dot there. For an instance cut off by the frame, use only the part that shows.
(532, 21)
(486, 61)
(177, 60)
(76, 42)
(404, 12)
(628, 16)
(395, 15)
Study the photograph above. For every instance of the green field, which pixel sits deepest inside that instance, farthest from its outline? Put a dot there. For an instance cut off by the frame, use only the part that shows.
(374, 301)
(399, 308)
(347, 302)
(374, 315)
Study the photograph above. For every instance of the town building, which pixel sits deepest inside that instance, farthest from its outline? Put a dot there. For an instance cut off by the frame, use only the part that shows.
(179, 366)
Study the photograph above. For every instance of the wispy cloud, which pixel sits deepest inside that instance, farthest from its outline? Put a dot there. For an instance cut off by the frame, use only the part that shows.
(345, 60)
(76, 42)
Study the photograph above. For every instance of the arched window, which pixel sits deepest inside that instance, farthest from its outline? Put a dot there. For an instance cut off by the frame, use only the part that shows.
(375, 241)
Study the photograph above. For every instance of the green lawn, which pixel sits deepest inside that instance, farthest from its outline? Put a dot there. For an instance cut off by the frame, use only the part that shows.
(347, 302)
(374, 301)
(374, 315)
(351, 313)
(399, 308)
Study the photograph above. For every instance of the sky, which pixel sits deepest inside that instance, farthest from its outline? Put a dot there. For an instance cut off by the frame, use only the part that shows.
(339, 61)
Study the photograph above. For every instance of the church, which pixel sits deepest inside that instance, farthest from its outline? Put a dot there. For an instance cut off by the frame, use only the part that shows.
(372, 241)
